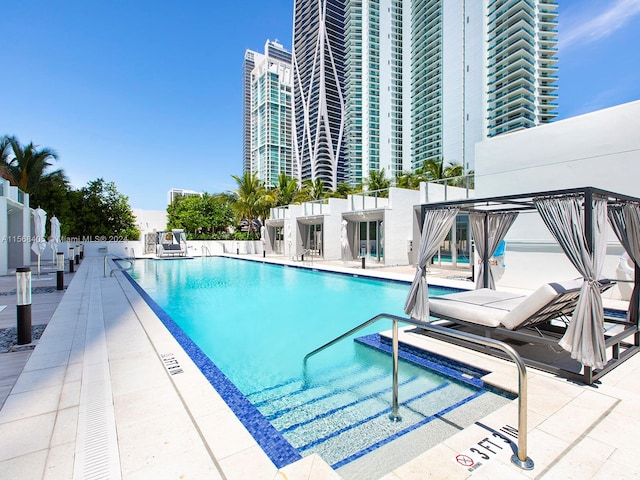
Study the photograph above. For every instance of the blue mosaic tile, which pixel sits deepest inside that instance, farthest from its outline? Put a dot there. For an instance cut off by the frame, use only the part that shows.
(276, 447)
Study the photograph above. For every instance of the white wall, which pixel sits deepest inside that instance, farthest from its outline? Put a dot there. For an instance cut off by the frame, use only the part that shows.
(599, 149)
(398, 225)
(150, 220)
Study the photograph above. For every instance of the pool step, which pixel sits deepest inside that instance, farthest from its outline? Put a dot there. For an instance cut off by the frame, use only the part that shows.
(343, 416)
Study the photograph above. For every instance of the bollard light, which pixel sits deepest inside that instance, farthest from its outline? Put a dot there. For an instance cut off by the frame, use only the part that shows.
(23, 304)
(71, 257)
(77, 252)
(82, 251)
(363, 262)
(60, 270)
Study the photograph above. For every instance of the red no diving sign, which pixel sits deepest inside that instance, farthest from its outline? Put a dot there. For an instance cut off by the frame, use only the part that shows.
(498, 442)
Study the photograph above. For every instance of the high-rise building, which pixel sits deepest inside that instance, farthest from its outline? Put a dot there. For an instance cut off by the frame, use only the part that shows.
(387, 84)
(318, 85)
(268, 142)
(247, 67)
(176, 193)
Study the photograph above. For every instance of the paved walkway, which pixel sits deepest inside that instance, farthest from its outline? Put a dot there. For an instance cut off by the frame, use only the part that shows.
(96, 399)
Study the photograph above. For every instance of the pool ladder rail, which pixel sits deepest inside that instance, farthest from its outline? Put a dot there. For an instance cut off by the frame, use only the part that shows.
(131, 261)
(519, 458)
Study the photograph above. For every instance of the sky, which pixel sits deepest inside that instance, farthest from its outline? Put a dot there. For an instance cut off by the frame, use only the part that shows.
(148, 93)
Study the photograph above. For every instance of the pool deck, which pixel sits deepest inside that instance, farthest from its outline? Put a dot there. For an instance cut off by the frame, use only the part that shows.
(107, 392)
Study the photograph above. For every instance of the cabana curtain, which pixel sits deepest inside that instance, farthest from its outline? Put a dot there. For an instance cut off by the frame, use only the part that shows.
(564, 217)
(499, 224)
(625, 220)
(437, 224)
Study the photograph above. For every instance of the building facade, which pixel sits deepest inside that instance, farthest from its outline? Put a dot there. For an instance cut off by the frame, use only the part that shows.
(268, 142)
(176, 193)
(413, 81)
(319, 82)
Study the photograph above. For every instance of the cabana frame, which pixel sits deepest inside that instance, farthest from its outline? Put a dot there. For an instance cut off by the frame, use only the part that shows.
(623, 343)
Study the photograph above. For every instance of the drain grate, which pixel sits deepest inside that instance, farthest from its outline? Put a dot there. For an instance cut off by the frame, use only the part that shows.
(97, 455)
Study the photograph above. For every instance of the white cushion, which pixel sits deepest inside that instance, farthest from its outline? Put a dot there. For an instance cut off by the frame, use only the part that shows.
(483, 307)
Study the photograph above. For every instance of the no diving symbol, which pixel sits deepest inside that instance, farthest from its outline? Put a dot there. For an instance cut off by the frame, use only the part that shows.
(464, 460)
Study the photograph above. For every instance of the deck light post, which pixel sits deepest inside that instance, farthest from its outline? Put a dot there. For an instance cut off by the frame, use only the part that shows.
(77, 252)
(71, 259)
(82, 251)
(23, 304)
(60, 271)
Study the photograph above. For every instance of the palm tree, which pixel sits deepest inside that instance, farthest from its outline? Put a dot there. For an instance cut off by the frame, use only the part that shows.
(314, 189)
(27, 168)
(288, 190)
(249, 199)
(433, 169)
(378, 181)
(342, 191)
(5, 155)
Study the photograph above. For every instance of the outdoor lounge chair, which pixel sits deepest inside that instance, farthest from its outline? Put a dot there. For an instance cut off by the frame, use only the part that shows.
(512, 311)
(538, 318)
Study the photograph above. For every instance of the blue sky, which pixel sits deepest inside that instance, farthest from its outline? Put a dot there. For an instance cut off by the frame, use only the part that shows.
(148, 94)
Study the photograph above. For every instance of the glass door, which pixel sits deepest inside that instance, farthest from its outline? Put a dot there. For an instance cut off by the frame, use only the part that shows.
(314, 239)
(370, 241)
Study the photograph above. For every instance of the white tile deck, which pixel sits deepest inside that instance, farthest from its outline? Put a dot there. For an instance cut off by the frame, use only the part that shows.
(99, 360)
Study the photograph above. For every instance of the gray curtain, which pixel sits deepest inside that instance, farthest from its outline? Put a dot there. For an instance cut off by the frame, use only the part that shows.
(499, 224)
(625, 220)
(564, 217)
(437, 224)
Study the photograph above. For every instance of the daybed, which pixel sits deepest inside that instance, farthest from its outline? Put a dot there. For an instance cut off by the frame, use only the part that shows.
(577, 220)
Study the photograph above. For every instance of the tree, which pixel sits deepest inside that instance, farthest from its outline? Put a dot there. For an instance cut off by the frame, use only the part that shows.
(186, 213)
(288, 190)
(249, 200)
(314, 190)
(27, 167)
(202, 217)
(99, 210)
(342, 191)
(377, 181)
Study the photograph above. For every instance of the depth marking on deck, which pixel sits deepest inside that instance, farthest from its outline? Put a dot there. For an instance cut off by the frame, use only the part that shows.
(172, 365)
(496, 444)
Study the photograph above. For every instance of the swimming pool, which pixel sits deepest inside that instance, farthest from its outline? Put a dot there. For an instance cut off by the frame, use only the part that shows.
(255, 322)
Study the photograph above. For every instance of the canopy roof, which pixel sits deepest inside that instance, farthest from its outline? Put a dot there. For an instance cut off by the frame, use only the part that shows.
(523, 202)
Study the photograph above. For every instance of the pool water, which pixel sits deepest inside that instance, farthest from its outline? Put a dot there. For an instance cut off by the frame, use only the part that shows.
(256, 321)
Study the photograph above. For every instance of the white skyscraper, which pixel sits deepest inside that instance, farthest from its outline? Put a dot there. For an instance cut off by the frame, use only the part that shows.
(389, 84)
(268, 142)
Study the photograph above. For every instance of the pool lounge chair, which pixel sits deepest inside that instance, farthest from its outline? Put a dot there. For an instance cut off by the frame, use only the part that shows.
(171, 249)
(538, 318)
(513, 311)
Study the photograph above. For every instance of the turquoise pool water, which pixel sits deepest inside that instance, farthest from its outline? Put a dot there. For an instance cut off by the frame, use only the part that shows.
(256, 322)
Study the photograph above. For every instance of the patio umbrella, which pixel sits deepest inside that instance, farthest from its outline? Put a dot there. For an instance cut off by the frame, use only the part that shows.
(39, 226)
(54, 241)
(344, 241)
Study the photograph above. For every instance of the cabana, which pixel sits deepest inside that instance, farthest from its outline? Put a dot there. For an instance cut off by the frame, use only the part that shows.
(577, 219)
(172, 243)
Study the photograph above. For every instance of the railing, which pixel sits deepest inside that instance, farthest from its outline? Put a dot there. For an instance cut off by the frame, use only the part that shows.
(117, 269)
(520, 457)
(300, 258)
(370, 199)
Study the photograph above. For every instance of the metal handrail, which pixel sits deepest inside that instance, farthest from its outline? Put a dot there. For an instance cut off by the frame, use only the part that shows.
(520, 458)
(116, 269)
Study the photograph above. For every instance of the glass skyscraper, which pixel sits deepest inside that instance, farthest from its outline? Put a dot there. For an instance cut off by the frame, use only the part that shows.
(267, 116)
(389, 84)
